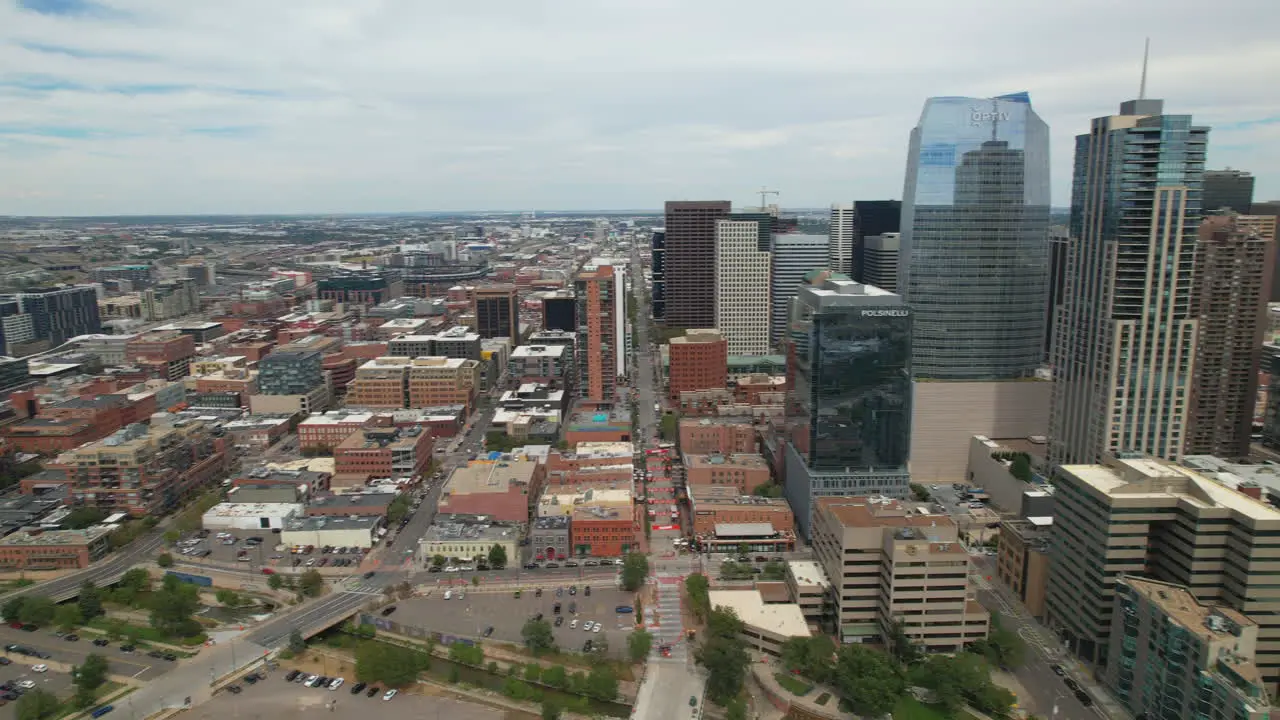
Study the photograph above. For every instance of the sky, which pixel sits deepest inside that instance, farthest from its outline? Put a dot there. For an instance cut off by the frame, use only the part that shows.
(328, 106)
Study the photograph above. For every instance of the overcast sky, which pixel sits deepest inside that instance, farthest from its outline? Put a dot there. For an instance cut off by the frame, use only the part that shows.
(265, 106)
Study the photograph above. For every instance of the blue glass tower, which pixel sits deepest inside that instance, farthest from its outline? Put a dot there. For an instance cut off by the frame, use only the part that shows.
(975, 251)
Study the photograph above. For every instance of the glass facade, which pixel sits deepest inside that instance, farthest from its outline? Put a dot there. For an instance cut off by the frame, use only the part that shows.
(975, 256)
(290, 372)
(851, 404)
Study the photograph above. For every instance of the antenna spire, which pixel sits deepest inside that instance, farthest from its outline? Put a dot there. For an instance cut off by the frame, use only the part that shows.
(1146, 53)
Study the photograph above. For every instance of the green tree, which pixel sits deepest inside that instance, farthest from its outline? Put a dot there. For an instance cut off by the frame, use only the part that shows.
(37, 704)
(551, 709)
(391, 665)
(555, 676)
(12, 608)
(275, 582)
(743, 549)
(297, 643)
(83, 517)
(639, 643)
(38, 610)
(1020, 467)
(698, 589)
(311, 583)
(532, 671)
(769, 490)
(736, 710)
(635, 568)
(813, 657)
(89, 600)
(164, 560)
(602, 682)
(497, 556)
(92, 673)
(465, 654)
(920, 493)
(116, 628)
(867, 680)
(230, 598)
(172, 536)
(437, 560)
(901, 646)
(538, 636)
(172, 606)
(68, 617)
(133, 583)
(398, 509)
(724, 655)
(1002, 647)
(773, 571)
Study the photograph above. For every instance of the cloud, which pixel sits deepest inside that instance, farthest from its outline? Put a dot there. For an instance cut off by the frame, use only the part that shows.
(155, 106)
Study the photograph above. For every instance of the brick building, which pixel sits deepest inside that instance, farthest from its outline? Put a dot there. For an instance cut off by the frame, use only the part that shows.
(596, 531)
(381, 452)
(699, 360)
(399, 382)
(164, 354)
(506, 490)
(743, 471)
(705, 436)
(724, 504)
(53, 549)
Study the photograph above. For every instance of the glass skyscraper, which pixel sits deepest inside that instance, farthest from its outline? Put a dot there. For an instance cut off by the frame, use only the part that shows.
(975, 257)
(849, 408)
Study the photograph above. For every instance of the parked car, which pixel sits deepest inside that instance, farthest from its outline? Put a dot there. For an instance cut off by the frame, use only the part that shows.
(559, 620)
(337, 683)
(388, 610)
(488, 631)
(102, 642)
(390, 694)
(234, 689)
(623, 609)
(292, 675)
(311, 680)
(41, 668)
(127, 648)
(355, 689)
(372, 691)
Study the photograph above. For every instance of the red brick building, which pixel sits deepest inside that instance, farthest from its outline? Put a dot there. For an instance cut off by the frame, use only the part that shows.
(596, 531)
(705, 436)
(507, 490)
(68, 424)
(381, 452)
(699, 360)
(745, 472)
(724, 504)
(163, 354)
(52, 549)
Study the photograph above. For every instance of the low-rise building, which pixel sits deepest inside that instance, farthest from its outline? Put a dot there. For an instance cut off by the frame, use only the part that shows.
(505, 490)
(325, 431)
(366, 503)
(765, 626)
(249, 516)
(745, 472)
(280, 492)
(549, 537)
(1173, 655)
(317, 399)
(308, 482)
(1023, 560)
(256, 432)
(53, 549)
(721, 504)
(592, 421)
(810, 589)
(381, 452)
(726, 436)
(164, 354)
(893, 565)
(549, 364)
(597, 530)
(466, 542)
(340, 531)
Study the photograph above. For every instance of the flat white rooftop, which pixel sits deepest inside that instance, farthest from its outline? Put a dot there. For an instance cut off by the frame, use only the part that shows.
(785, 619)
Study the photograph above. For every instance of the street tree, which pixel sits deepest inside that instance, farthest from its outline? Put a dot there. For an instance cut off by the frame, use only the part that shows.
(391, 665)
(602, 682)
(92, 673)
(724, 655)
(37, 704)
(698, 588)
(497, 556)
(172, 607)
(639, 643)
(868, 680)
(538, 636)
(12, 609)
(296, 642)
(437, 560)
(311, 583)
(635, 568)
(275, 582)
(68, 617)
(37, 610)
(89, 600)
(164, 560)
(551, 709)
(736, 710)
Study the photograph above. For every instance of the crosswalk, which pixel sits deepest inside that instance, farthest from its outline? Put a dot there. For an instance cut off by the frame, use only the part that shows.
(666, 624)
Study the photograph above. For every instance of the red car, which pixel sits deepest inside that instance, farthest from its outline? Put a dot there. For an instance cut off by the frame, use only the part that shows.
(268, 571)
(15, 625)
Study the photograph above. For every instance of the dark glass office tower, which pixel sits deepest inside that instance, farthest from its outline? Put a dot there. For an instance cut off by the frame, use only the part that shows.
(849, 407)
(975, 219)
(559, 311)
(658, 245)
(1228, 190)
(690, 264)
(871, 218)
(53, 314)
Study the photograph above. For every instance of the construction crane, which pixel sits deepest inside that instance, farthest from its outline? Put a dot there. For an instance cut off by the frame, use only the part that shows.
(764, 192)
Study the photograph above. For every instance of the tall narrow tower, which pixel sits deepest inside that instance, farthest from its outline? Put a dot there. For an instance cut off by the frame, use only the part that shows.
(1126, 333)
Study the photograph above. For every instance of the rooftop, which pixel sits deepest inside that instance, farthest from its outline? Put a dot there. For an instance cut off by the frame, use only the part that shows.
(1152, 478)
(338, 417)
(337, 522)
(596, 450)
(808, 572)
(589, 415)
(54, 537)
(698, 335)
(490, 476)
(737, 460)
(551, 522)
(704, 495)
(733, 530)
(1179, 604)
(784, 619)
(466, 531)
(539, 351)
(876, 512)
(231, 510)
(393, 438)
(353, 501)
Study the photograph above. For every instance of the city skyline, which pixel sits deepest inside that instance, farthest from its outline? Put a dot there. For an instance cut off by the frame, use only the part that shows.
(125, 107)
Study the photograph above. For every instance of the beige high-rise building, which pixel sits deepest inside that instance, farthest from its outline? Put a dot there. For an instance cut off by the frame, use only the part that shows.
(1126, 331)
(743, 262)
(1153, 518)
(840, 239)
(887, 563)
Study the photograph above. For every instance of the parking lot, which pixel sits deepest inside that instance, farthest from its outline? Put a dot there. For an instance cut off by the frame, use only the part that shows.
(506, 614)
(274, 698)
(135, 664)
(234, 547)
(58, 683)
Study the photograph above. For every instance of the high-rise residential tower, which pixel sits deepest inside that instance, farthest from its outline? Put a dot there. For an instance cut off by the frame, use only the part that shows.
(848, 427)
(975, 221)
(41, 318)
(658, 248)
(795, 255)
(1227, 190)
(601, 353)
(880, 260)
(742, 268)
(1231, 291)
(840, 239)
(1126, 335)
(1059, 241)
(690, 262)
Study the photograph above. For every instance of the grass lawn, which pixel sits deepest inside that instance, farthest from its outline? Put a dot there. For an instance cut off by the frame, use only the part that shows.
(145, 632)
(908, 708)
(792, 684)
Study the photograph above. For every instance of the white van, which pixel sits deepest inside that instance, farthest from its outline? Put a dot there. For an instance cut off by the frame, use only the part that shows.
(448, 594)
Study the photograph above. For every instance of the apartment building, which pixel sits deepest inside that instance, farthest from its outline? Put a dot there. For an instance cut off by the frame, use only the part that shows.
(381, 452)
(163, 354)
(1178, 657)
(745, 472)
(724, 504)
(1153, 518)
(887, 564)
(436, 381)
(1023, 560)
(141, 470)
(743, 269)
(703, 436)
